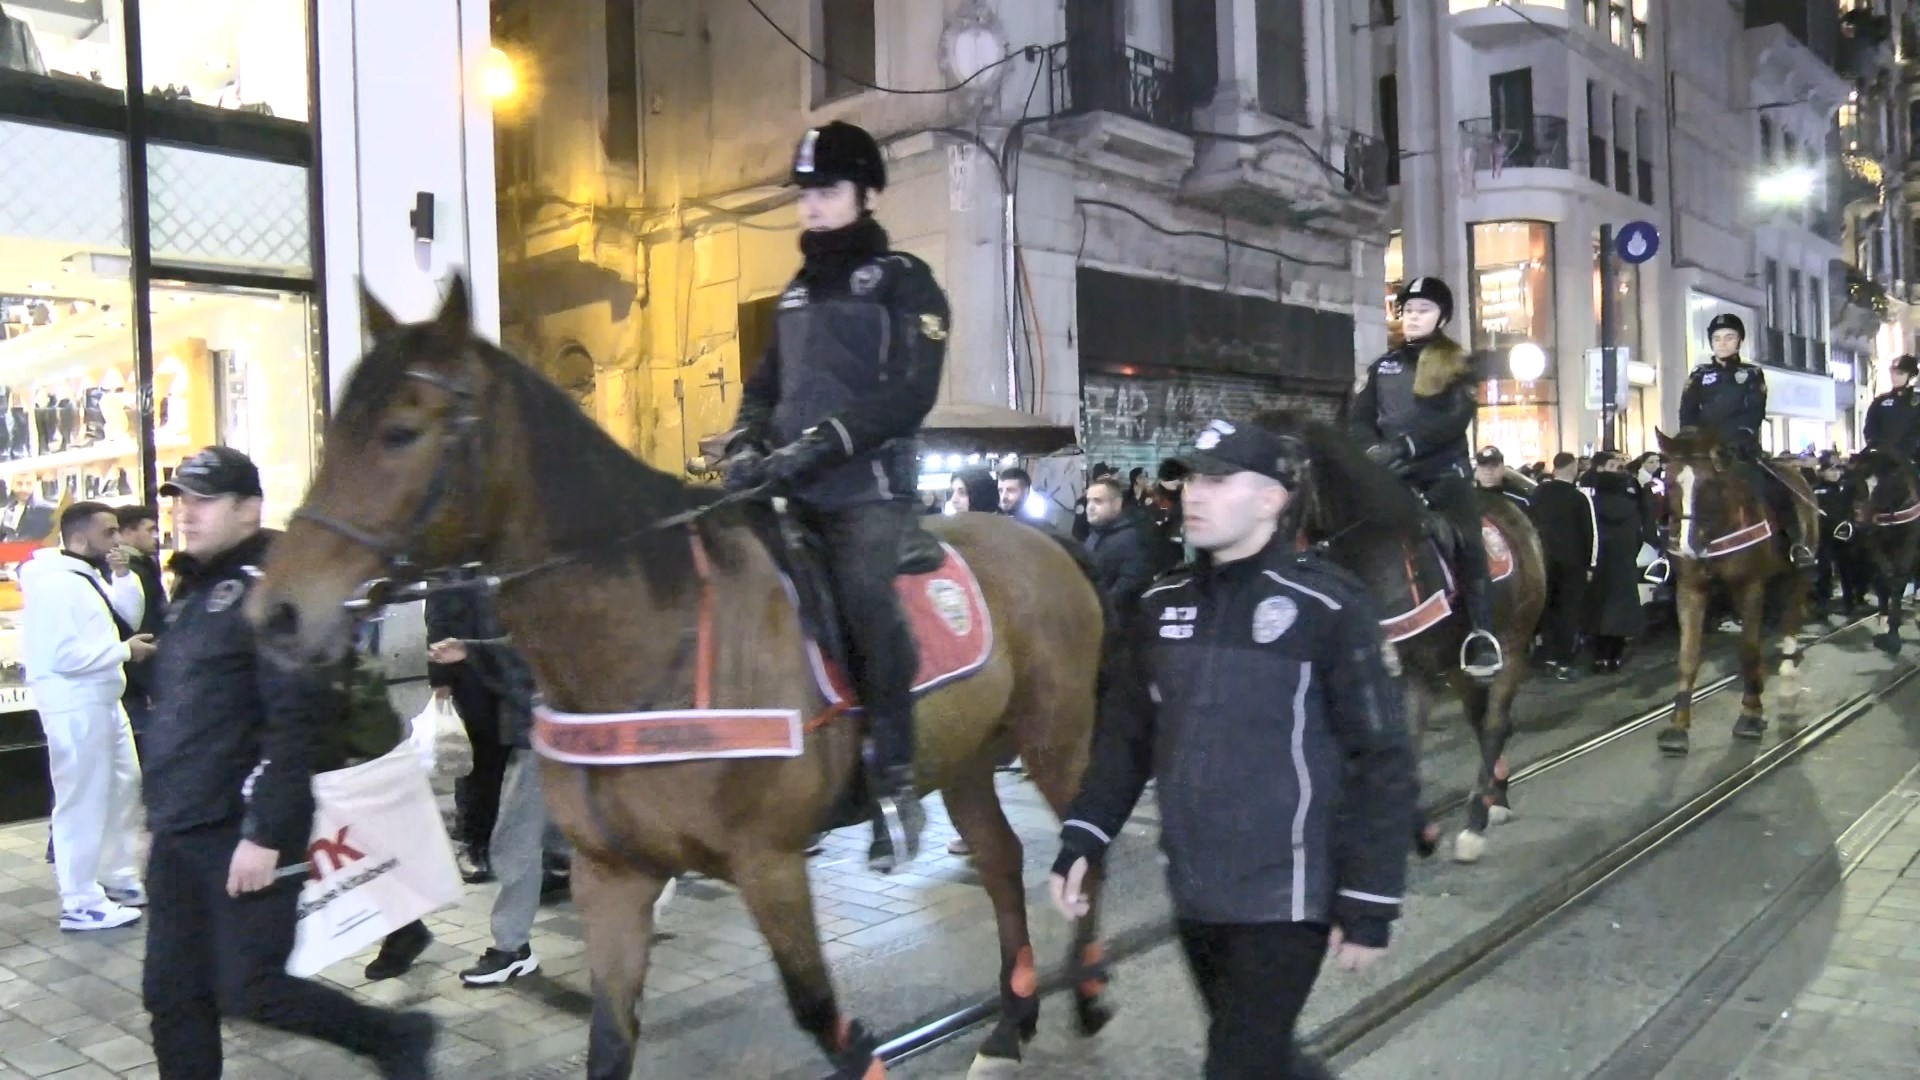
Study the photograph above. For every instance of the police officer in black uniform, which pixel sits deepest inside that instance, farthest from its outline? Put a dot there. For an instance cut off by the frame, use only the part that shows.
(1414, 409)
(1262, 707)
(1728, 396)
(1893, 420)
(829, 419)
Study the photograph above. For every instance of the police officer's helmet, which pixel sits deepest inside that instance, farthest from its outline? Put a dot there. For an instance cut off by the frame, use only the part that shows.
(1427, 288)
(839, 151)
(1907, 364)
(1726, 320)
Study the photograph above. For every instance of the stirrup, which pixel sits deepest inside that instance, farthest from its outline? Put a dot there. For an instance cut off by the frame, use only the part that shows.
(1659, 571)
(1499, 660)
(1843, 532)
(895, 843)
(1802, 557)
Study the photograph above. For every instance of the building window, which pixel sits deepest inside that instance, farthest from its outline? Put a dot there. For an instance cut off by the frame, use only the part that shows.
(1643, 154)
(621, 138)
(1596, 135)
(79, 54)
(250, 58)
(1817, 314)
(1396, 275)
(1390, 124)
(846, 36)
(1280, 33)
(1622, 146)
(1766, 140)
(1512, 284)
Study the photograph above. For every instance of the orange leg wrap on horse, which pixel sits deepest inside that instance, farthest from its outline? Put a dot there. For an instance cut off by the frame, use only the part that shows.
(1023, 980)
(1092, 956)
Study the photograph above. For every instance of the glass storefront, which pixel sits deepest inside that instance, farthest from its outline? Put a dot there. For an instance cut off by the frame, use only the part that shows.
(1512, 285)
(133, 332)
(1518, 417)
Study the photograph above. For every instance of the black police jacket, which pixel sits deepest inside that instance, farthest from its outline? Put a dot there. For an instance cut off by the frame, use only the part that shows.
(1421, 392)
(1259, 699)
(1893, 421)
(233, 736)
(1728, 398)
(860, 340)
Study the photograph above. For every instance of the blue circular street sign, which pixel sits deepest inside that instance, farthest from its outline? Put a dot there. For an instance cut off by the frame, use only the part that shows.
(1637, 242)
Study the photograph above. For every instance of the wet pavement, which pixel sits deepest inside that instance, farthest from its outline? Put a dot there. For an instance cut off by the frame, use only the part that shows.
(912, 947)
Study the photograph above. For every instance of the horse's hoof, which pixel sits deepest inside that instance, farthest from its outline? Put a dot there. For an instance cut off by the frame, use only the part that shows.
(1499, 815)
(1002, 1046)
(1749, 726)
(985, 1066)
(1674, 741)
(1469, 846)
(1091, 1014)
(1426, 841)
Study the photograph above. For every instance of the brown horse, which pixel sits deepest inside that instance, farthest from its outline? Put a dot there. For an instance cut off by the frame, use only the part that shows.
(446, 450)
(1370, 523)
(1883, 495)
(1720, 533)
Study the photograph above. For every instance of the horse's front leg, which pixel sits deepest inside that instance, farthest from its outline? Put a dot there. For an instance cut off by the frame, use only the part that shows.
(773, 885)
(616, 902)
(1753, 676)
(1690, 603)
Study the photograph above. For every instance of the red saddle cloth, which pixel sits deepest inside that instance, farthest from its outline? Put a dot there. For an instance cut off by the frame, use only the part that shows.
(948, 616)
(1430, 604)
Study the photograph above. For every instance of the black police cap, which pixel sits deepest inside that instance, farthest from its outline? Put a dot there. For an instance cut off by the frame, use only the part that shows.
(1490, 455)
(1223, 448)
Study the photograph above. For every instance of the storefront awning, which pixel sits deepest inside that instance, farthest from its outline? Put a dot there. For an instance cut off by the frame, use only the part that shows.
(992, 429)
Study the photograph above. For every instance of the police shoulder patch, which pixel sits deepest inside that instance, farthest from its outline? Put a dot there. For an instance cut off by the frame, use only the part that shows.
(1273, 617)
(933, 327)
(1740, 376)
(866, 279)
(225, 595)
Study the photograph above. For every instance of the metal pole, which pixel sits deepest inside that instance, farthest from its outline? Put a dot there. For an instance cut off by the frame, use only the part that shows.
(1609, 372)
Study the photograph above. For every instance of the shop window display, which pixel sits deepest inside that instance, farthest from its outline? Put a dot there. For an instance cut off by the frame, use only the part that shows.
(70, 44)
(1512, 285)
(247, 56)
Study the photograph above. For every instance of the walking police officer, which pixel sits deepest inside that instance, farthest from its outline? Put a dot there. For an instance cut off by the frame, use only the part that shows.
(828, 420)
(1414, 409)
(1261, 704)
(1893, 420)
(1728, 396)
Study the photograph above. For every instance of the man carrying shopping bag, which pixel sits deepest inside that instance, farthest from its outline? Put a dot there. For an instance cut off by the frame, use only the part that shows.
(230, 804)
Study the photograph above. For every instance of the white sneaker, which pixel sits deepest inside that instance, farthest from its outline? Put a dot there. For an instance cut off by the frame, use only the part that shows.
(105, 915)
(134, 895)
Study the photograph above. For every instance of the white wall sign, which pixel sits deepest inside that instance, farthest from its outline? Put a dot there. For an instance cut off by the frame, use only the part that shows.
(1622, 359)
(1799, 395)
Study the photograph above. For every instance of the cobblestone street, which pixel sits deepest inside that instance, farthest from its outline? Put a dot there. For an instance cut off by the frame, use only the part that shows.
(70, 1003)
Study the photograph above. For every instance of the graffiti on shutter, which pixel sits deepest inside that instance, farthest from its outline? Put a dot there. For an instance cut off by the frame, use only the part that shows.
(1129, 421)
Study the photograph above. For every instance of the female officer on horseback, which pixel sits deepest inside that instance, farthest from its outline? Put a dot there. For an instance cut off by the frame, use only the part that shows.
(828, 420)
(1728, 396)
(1413, 411)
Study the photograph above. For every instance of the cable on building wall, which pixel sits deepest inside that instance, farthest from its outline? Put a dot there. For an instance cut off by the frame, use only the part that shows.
(1205, 235)
(856, 80)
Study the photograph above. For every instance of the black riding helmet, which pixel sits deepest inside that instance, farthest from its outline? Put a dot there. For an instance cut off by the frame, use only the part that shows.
(1726, 320)
(1428, 288)
(839, 151)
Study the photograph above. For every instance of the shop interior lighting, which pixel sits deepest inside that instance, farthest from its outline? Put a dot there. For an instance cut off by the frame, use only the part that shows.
(498, 80)
(1034, 505)
(1527, 361)
(1785, 187)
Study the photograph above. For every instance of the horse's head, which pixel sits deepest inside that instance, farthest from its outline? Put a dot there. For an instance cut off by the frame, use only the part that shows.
(1877, 483)
(1360, 511)
(408, 483)
(1704, 489)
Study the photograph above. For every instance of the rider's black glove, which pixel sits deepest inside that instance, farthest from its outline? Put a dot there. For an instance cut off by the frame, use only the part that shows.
(744, 470)
(1391, 452)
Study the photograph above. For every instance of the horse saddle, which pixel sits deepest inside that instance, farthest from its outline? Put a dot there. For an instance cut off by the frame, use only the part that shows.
(1433, 575)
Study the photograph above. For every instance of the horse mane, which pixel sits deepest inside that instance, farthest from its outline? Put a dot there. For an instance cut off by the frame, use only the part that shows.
(1344, 490)
(595, 498)
(1690, 442)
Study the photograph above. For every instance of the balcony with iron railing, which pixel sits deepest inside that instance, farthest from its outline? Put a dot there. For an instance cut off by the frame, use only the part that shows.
(1119, 100)
(1538, 144)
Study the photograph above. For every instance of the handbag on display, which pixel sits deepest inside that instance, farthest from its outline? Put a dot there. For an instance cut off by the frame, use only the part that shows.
(93, 415)
(46, 416)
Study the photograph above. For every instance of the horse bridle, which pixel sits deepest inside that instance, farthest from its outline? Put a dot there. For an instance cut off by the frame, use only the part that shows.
(404, 578)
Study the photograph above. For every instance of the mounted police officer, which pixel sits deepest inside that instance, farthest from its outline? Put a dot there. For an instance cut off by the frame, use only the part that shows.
(1728, 397)
(1260, 699)
(1893, 420)
(829, 419)
(1414, 409)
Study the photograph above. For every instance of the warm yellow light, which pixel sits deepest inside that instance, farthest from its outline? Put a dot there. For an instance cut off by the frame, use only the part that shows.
(498, 81)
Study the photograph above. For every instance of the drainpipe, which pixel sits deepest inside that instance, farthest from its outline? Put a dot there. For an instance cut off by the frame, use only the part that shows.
(1013, 303)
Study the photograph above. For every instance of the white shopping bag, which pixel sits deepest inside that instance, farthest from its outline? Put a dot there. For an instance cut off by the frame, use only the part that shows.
(424, 733)
(380, 859)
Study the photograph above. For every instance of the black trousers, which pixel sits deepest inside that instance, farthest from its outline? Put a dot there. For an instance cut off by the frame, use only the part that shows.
(1560, 620)
(863, 558)
(210, 955)
(1254, 979)
(1453, 498)
(476, 796)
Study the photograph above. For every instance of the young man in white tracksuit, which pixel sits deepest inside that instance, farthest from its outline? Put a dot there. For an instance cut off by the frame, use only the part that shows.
(81, 606)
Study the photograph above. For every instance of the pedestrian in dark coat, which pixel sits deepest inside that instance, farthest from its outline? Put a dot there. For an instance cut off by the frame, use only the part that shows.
(1564, 516)
(1121, 546)
(1613, 599)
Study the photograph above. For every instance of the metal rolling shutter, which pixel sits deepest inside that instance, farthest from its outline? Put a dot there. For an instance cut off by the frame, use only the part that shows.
(1140, 420)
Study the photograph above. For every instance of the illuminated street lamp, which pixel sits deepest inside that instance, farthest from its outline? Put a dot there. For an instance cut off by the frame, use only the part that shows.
(1527, 361)
(499, 82)
(1786, 187)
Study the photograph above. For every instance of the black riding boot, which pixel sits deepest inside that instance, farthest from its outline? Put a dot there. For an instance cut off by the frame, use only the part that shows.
(1480, 653)
(898, 817)
(1785, 504)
